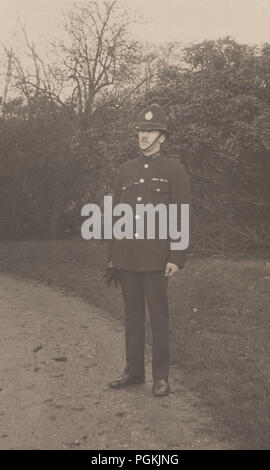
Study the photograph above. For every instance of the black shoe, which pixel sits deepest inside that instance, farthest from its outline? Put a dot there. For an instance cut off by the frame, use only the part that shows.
(161, 388)
(126, 379)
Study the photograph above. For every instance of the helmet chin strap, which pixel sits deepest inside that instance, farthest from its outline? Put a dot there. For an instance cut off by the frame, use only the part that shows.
(153, 143)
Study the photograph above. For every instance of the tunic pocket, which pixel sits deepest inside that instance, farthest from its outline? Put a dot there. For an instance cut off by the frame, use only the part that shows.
(161, 190)
(127, 192)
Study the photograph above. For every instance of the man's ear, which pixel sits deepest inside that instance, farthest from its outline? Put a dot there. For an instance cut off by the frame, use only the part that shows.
(162, 138)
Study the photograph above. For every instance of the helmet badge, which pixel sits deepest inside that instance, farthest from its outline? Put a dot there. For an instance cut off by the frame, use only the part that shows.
(148, 116)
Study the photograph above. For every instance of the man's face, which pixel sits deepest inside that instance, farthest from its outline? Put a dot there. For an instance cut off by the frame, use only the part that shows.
(146, 138)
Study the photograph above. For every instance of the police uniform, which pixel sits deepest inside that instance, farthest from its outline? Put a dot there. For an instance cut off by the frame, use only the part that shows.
(141, 261)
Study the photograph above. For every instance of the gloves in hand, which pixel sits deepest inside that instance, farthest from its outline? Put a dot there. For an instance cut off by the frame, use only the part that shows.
(111, 275)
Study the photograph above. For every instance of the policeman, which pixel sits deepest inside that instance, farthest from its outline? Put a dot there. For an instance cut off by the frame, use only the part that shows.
(144, 265)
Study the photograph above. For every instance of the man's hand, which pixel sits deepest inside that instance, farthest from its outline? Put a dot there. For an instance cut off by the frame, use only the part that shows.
(111, 275)
(171, 269)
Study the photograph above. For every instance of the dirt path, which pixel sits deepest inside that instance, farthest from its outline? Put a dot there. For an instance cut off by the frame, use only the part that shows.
(57, 354)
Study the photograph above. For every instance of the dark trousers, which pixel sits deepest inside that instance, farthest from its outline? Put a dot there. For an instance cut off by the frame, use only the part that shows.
(152, 287)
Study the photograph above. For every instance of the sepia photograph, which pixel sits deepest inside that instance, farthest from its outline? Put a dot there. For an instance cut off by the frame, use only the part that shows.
(135, 227)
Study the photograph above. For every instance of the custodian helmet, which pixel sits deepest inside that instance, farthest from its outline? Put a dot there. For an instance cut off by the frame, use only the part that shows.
(153, 118)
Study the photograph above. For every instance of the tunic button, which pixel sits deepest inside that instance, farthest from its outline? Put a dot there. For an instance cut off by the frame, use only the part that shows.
(139, 198)
(124, 188)
(158, 189)
(137, 216)
(141, 180)
(146, 165)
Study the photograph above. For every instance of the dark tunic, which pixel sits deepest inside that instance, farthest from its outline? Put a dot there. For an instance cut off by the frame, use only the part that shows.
(155, 179)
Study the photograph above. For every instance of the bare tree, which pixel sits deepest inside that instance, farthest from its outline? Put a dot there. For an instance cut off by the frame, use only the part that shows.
(98, 58)
(97, 54)
(7, 78)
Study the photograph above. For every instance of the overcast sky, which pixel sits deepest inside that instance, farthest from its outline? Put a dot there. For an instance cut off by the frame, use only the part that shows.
(181, 20)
